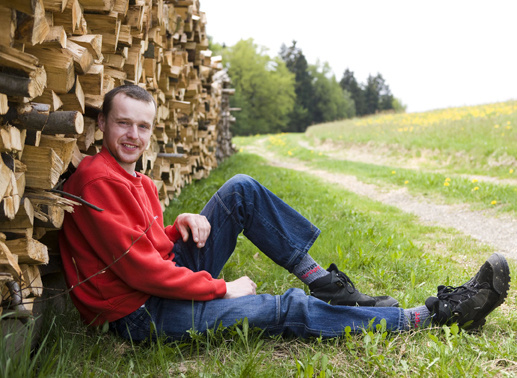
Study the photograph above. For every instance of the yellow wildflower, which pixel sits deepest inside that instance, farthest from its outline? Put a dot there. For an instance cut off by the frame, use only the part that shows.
(476, 188)
(496, 126)
(393, 172)
(320, 154)
(446, 183)
(447, 179)
(289, 153)
(474, 181)
(493, 202)
(406, 182)
(312, 151)
(511, 170)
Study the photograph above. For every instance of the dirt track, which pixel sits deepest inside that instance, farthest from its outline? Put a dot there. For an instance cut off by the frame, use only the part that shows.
(498, 232)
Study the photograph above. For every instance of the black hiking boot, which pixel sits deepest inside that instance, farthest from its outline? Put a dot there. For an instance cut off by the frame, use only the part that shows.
(338, 290)
(469, 304)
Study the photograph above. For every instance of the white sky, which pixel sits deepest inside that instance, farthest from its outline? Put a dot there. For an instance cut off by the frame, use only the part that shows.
(433, 54)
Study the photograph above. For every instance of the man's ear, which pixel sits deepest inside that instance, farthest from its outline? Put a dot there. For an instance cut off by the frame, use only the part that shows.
(101, 121)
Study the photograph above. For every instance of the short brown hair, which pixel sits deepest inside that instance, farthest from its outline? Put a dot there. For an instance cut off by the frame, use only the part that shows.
(133, 91)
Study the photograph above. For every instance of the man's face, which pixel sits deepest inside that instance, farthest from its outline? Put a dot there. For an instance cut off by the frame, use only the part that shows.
(127, 129)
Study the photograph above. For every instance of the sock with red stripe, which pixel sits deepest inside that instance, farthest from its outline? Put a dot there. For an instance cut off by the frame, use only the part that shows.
(417, 317)
(309, 270)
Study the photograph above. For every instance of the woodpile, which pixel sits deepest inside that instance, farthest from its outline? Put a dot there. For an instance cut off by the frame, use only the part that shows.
(57, 60)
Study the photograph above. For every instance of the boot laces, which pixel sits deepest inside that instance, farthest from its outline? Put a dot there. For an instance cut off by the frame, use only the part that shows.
(345, 281)
(456, 295)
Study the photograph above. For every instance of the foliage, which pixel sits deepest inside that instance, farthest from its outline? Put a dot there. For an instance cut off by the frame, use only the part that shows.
(301, 116)
(370, 98)
(264, 89)
(330, 101)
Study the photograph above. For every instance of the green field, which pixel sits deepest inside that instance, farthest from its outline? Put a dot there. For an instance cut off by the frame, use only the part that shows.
(384, 250)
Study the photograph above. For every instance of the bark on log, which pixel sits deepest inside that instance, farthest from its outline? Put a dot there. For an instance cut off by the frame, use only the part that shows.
(65, 122)
(31, 116)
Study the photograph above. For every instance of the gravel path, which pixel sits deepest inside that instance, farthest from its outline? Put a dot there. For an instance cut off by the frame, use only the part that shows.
(499, 232)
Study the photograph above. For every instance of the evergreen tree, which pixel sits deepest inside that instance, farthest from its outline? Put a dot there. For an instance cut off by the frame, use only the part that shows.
(350, 84)
(295, 61)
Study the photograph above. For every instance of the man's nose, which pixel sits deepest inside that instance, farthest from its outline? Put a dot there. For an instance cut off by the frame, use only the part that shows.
(132, 131)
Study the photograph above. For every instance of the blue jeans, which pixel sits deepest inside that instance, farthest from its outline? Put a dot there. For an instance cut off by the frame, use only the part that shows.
(282, 234)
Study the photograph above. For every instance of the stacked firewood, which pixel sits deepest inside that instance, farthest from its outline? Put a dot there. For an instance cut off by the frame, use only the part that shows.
(57, 60)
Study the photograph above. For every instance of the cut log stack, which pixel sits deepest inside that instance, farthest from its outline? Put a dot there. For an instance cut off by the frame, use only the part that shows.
(57, 60)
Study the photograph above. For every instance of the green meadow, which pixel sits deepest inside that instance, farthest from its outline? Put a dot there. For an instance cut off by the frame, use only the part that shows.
(383, 250)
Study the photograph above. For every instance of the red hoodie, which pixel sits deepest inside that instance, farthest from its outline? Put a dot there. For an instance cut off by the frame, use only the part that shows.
(91, 240)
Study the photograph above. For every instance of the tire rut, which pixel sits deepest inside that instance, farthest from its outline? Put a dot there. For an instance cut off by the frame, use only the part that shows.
(498, 232)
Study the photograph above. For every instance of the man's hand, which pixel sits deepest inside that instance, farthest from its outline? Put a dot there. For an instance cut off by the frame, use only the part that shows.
(197, 225)
(240, 288)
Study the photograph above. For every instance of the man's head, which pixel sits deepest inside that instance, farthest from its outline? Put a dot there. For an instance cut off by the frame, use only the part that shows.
(126, 120)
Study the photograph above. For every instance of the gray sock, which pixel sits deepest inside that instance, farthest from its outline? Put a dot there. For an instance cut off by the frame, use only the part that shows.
(417, 317)
(309, 270)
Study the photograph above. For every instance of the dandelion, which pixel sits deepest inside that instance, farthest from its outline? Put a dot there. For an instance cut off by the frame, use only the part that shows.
(320, 154)
(406, 182)
(242, 149)
(474, 181)
(502, 134)
(496, 126)
(447, 179)
(508, 127)
(476, 188)
(312, 151)
(511, 170)
(494, 202)
(393, 172)
(289, 153)
(446, 183)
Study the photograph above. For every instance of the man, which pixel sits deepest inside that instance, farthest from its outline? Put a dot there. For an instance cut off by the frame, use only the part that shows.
(127, 269)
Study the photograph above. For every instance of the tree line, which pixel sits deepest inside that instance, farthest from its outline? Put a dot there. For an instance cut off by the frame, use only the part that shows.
(287, 94)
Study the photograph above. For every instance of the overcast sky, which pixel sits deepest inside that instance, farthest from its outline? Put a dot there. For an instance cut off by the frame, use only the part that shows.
(433, 54)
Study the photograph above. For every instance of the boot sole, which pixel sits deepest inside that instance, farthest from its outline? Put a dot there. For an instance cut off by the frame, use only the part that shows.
(501, 275)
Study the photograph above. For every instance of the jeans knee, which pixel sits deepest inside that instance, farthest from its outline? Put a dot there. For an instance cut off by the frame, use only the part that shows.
(242, 183)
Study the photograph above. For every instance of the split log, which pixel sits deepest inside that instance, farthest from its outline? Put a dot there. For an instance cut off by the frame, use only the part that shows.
(59, 67)
(43, 167)
(50, 97)
(93, 42)
(24, 217)
(74, 100)
(63, 147)
(10, 139)
(4, 106)
(56, 37)
(28, 250)
(93, 80)
(49, 217)
(31, 29)
(55, 5)
(8, 21)
(32, 279)
(88, 136)
(9, 261)
(83, 60)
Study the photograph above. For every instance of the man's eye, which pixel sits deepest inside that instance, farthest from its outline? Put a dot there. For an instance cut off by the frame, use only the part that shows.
(144, 126)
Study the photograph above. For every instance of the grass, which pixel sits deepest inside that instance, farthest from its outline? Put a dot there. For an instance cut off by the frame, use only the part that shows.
(476, 139)
(384, 250)
(442, 184)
